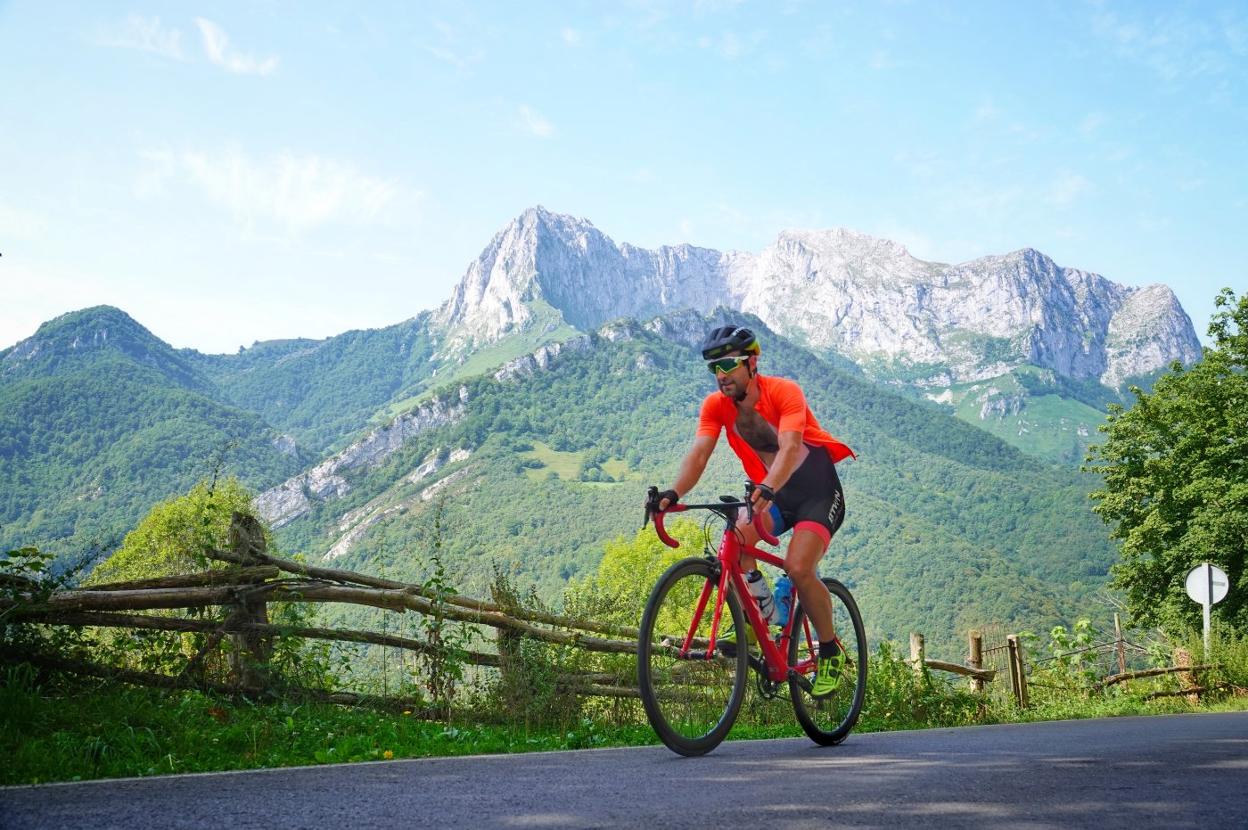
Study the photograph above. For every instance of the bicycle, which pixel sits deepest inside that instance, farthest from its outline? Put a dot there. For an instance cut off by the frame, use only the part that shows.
(692, 685)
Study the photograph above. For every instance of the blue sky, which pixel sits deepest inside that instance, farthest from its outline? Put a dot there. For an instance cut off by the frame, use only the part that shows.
(232, 172)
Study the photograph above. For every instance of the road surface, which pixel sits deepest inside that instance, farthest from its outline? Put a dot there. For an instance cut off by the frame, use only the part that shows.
(1170, 772)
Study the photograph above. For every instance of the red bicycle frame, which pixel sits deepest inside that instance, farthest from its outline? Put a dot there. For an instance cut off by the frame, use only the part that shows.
(731, 549)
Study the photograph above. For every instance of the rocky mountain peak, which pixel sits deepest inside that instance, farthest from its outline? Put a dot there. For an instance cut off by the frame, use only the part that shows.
(844, 243)
(837, 290)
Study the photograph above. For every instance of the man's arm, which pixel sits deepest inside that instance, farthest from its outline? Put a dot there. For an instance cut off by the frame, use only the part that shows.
(692, 467)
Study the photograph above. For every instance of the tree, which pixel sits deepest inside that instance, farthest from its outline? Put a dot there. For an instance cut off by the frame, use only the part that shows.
(629, 568)
(1175, 469)
(172, 538)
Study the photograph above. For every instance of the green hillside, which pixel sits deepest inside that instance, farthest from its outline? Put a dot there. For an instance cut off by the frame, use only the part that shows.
(1035, 411)
(948, 526)
(99, 419)
(322, 391)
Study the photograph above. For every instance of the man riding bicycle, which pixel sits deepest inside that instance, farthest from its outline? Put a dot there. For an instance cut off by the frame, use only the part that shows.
(791, 462)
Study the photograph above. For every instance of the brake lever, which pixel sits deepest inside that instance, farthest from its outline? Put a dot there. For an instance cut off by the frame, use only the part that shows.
(652, 495)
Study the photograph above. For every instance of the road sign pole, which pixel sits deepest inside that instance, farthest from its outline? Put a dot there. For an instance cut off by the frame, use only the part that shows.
(1207, 585)
(1208, 604)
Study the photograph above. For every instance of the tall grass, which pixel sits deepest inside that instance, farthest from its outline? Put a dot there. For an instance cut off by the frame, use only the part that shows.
(56, 728)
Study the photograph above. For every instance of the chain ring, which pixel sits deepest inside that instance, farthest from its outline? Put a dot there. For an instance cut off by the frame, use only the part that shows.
(768, 689)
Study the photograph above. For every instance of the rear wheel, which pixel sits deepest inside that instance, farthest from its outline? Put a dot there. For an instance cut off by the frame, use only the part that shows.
(691, 701)
(828, 720)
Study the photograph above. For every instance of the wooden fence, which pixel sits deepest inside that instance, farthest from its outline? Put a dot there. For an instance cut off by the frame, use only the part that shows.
(254, 578)
(1017, 666)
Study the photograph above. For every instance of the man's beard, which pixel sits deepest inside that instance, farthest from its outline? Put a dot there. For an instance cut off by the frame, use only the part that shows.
(736, 396)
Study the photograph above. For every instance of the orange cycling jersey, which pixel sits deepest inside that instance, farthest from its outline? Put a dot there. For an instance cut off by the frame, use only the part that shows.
(781, 404)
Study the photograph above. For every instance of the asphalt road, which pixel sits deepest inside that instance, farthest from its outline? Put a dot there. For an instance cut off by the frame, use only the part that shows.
(1168, 772)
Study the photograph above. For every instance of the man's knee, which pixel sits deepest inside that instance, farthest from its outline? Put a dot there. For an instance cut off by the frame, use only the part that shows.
(802, 570)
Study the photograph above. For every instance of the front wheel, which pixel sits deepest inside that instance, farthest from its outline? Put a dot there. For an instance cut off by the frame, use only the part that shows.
(691, 701)
(828, 720)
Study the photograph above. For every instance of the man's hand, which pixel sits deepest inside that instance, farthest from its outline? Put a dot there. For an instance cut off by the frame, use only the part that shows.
(667, 498)
(761, 498)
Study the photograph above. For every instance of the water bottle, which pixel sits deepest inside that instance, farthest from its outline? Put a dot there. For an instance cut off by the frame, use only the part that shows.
(784, 599)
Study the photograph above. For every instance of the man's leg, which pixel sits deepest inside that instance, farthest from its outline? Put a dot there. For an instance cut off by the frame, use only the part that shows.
(806, 548)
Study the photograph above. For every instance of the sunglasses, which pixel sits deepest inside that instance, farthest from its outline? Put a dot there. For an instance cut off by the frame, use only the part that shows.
(725, 364)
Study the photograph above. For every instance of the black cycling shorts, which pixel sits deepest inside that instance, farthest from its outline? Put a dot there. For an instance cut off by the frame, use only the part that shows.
(812, 498)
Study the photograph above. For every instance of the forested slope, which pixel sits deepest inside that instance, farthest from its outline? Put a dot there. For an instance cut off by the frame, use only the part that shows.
(948, 526)
(99, 419)
(323, 391)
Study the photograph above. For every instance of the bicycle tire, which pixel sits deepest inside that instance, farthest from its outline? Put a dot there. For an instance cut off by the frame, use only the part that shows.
(691, 702)
(828, 721)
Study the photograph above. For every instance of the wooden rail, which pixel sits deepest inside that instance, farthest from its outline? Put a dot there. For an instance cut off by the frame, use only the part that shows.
(257, 578)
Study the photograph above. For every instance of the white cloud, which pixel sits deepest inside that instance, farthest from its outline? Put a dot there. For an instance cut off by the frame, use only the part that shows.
(1174, 44)
(454, 48)
(1067, 188)
(535, 123)
(986, 112)
(1092, 122)
(216, 47)
(820, 42)
(161, 166)
(143, 34)
(295, 192)
(570, 36)
(456, 59)
(1119, 153)
(730, 45)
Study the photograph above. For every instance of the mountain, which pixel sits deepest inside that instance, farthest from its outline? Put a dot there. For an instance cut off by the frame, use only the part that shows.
(867, 299)
(323, 391)
(561, 376)
(100, 419)
(932, 328)
(538, 463)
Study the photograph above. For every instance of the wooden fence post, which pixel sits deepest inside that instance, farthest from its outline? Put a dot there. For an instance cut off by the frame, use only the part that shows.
(975, 658)
(249, 657)
(916, 652)
(1018, 676)
(1183, 657)
(1119, 646)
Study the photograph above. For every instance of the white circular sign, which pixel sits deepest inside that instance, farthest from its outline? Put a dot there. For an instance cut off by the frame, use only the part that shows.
(1199, 580)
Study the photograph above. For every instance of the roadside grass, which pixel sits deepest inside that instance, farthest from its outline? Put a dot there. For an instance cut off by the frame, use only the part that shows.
(72, 729)
(82, 730)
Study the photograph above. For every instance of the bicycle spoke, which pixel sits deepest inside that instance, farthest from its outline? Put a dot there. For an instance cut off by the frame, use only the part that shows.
(827, 720)
(691, 700)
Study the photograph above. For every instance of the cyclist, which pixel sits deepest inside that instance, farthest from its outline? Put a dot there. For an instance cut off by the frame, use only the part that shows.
(790, 460)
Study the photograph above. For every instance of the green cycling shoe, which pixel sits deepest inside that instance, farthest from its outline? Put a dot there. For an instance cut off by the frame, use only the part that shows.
(828, 674)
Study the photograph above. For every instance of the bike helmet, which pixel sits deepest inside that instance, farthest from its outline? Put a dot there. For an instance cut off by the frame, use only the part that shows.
(727, 339)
